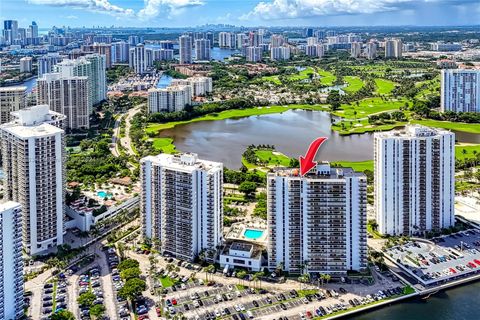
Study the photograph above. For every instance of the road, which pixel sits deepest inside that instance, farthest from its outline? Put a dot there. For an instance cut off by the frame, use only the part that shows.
(116, 135)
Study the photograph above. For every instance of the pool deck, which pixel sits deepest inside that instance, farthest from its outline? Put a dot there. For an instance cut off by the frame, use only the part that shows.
(237, 232)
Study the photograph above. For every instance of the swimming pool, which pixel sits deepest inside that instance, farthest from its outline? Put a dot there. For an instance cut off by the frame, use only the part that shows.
(253, 234)
(103, 194)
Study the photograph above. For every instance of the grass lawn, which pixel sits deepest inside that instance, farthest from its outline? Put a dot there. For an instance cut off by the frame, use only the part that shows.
(469, 151)
(461, 186)
(367, 107)
(272, 157)
(326, 78)
(374, 233)
(167, 282)
(355, 165)
(384, 86)
(459, 126)
(362, 126)
(272, 79)
(354, 84)
(164, 144)
(155, 127)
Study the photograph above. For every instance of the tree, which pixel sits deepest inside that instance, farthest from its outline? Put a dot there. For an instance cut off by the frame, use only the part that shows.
(127, 264)
(97, 311)
(334, 100)
(132, 289)
(241, 275)
(130, 273)
(248, 188)
(62, 315)
(86, 299)
(208, 270)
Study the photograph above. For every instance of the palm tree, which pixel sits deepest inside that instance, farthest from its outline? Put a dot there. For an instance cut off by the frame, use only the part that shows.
(208, 270)
(328, 277)
(258, 277)
(241, 275)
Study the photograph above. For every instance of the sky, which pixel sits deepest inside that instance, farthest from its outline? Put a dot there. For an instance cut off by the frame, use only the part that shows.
(190, 13)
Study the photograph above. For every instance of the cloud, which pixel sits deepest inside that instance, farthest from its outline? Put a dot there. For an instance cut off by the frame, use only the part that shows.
(293, 9)
(154, 7)
(103, 6)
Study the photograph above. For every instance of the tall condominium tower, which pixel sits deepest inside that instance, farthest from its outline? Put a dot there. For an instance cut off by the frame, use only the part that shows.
(11, 99)
(33, 158)
(11, 262)
(91, 66)
(460, 90)
(414, 180)
(393, 48)
(356, 49)
(120, 52)
(46, 63)
(68, 96)
(185, 43)
(201, 86)
(138, 59)
(182, 204)
(202, 50)
(317, 223)
(371, 50)
(253, 54)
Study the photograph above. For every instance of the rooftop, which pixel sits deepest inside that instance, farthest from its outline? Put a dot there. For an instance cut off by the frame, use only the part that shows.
(13, 88)
(187, 162)
(323, 170)
(413, 131)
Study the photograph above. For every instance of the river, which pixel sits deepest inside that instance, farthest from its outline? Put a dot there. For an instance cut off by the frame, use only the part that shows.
(290, 132)
(461, 303)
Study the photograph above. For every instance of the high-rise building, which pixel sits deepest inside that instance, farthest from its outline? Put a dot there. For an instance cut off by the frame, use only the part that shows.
(253, 54)
(162, 54)
(277, 40)
(102, 49)
(138, 59)
(68, 96)
(134, 40)
(166, 44)
(255, 39)
(201, 86)
(210, 37)
(202, 50)
(226, 40)
(32, 31)
(316, 50)
(414, 180)
(185, 45)
(311, 41)
(46, 63)
(308, 32)
(11, 262)
(181, 204)
(33, 159)
(26, 64)
(241, 41)
(92, 66)
(120, 52)
(371, 50)
(11, 99)
(460, 90)
(356, 50)
(10, 31)
(393, 48)
(317, 223)
(280, 53)
(171, 99)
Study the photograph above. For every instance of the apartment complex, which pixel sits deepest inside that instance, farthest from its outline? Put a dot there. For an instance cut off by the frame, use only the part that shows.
(371, 50)
(68, 96)
(202, 50)
(11, 99)
(11, 262)
(120, 52)
(138, 59)
(280, 53)
(315, 50)
(33, 159)
(26, 64)
(460, 90)
(414, 180)
(171, 99)
(356, 49)
(317, 223)
(253, 54)
(46, 63)
(201, 86)
(182, 204)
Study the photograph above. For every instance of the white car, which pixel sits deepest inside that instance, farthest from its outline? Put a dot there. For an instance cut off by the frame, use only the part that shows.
(237, 308)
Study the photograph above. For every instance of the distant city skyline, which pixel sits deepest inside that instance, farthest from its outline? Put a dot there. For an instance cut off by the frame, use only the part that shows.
(190, 13)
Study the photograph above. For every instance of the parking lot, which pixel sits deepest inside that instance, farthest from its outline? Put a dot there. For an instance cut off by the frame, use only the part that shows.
(443, 259)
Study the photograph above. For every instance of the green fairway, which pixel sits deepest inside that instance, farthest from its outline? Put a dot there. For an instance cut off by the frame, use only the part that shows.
(272, 79)
(463, 152)
(302, 75)
(367, 107)
(355, 165)
(384, 86)
(155, 127)
(164, 144)
(354, 84)
(362, 126)
(459, 126)
(326, 78)
(272, 157)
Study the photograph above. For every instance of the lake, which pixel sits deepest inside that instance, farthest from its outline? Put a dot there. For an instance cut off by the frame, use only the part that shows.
(290, 132)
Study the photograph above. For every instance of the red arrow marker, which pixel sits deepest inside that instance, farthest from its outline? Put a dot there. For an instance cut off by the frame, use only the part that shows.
(307, 163)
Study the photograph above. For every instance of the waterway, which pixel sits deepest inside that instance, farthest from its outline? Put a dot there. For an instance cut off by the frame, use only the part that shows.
(30, 84)
(218, 54)
(290, 132)
(461, 303)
